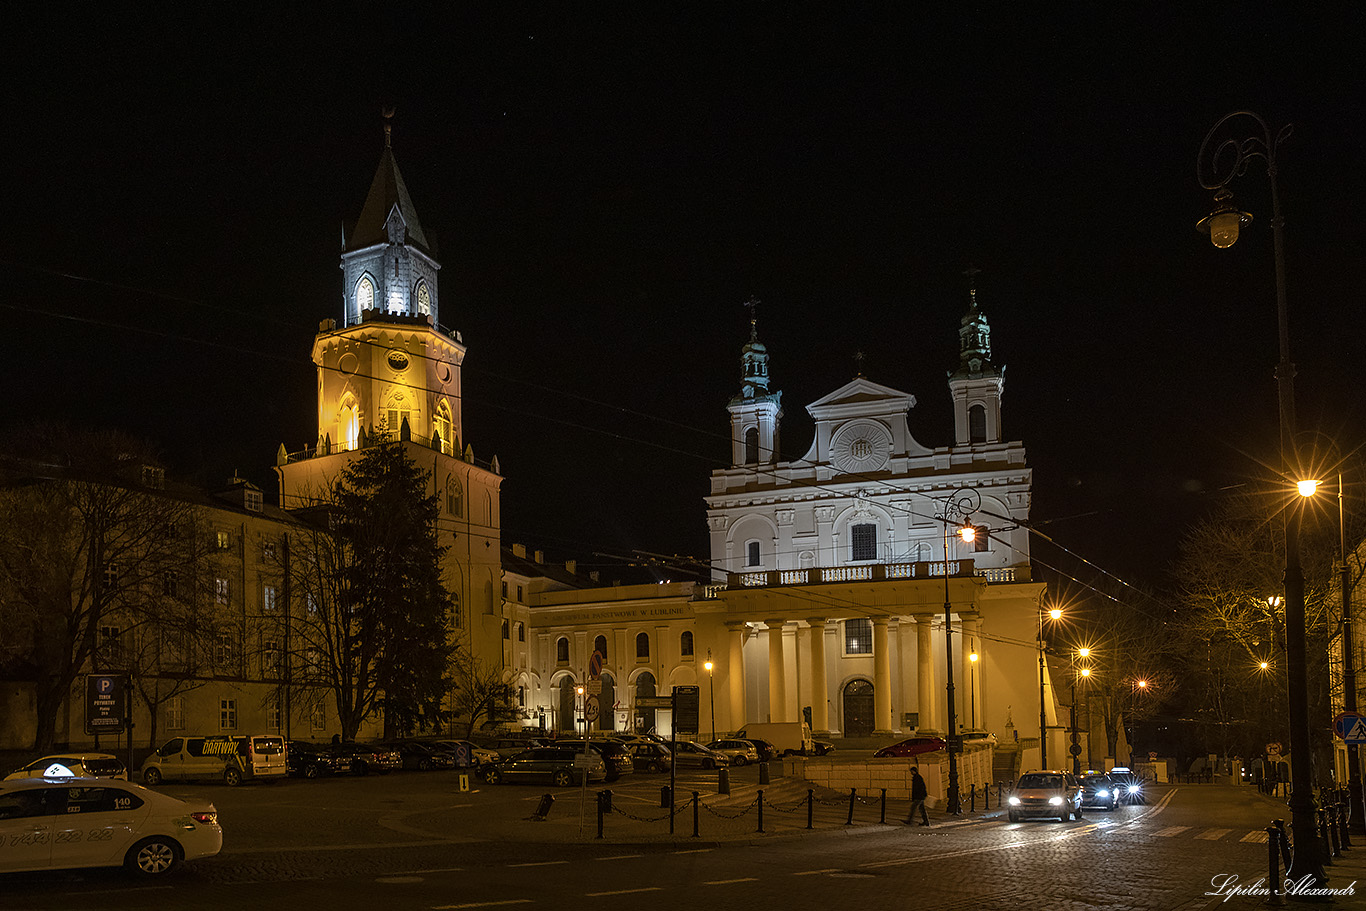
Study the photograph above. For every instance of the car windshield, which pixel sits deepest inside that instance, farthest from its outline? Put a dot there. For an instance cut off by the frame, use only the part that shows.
(1041, 781)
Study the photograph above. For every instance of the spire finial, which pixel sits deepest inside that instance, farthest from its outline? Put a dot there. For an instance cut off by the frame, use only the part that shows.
(972, 272)
(752, 305)
(859, 358)
(388, 113)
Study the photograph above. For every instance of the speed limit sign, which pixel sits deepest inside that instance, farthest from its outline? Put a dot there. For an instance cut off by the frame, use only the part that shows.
(591, 708)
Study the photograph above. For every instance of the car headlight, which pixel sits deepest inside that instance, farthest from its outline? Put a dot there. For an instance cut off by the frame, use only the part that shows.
(1102, 793)
(1055, 801)
(1014, 801)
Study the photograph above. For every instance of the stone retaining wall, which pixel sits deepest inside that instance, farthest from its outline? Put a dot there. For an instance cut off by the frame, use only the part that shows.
(869, 776)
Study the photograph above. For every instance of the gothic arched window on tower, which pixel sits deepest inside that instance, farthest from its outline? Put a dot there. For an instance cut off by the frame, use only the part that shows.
(348, 428)
(424, 299)
(365, 294)
(443, 427)
(863, 542)
(752, 446)
(455, 497)
(977, 424)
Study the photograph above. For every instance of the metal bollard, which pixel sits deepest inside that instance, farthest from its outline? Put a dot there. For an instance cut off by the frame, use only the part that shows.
(543, 808)
(853, 793)
(810, 805)
(1333, 829)
(1323, 839)
(664, 797)
(761, 811)
(883, 818)
(723, 780)
(972, 798)
(602, 801)
(607, 800)
(1273, 870)
(1284, 841)
(695, 802)
(1345, 831)
(763, 773)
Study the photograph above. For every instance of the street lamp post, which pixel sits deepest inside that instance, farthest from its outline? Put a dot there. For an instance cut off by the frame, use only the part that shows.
(1228, 159)
(1084, 673)
(960, 504)
(711, 678)
(1053, 614)
(972, 688)
(1349, 677)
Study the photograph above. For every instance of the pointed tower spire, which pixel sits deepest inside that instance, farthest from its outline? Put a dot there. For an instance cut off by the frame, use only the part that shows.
(755, 412)
(977, 384)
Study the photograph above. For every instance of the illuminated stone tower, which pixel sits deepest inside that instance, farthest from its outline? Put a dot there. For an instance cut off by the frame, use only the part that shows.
(977, 383)
(756, 412)
(390, 371)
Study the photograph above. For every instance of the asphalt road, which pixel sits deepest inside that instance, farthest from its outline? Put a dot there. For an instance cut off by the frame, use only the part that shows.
(415, 841)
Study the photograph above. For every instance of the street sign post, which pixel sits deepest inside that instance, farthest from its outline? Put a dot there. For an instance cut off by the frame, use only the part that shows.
(591, 708)
(654, 702)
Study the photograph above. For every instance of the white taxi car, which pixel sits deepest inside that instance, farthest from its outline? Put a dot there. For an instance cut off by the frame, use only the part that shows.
(81, 765)
(64, 822)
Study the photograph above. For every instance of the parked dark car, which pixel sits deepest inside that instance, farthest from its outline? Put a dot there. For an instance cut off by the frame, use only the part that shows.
(421, 756)
(511, 746)
(766, 749)
(364, 758)
(309, 760)
(616, 757)
(559, 765)
(695, 755)
(1098, 790)
(467, 753)
(823, 747)
(912, 746)
(647, 756)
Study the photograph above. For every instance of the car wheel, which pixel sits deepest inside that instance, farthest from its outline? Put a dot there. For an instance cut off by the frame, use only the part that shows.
(232, 777)
(740, 760)
(311, 770)
(1077, 813)
(424, 765)
(1066, 815)
(563, 779)
(152, 857)
(493, 776)
(655, 767)
(152, 777)
(1014, 817)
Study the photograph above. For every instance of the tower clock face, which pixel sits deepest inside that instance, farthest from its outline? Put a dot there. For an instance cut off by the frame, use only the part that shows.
(398, 360)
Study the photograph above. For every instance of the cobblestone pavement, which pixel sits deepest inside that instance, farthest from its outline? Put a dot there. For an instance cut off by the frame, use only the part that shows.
(416, 841)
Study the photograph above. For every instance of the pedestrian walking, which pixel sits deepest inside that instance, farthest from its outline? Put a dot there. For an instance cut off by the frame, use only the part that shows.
(919, 793)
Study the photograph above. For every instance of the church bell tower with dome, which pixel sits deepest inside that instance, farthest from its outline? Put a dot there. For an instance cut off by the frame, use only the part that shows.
(389, 371)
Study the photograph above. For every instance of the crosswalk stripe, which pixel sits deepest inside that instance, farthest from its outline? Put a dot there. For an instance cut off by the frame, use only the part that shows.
(1170, 831)
(1254, 836)
(1213, 834)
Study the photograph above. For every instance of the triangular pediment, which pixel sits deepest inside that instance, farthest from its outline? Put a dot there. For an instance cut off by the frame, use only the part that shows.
(858, 394)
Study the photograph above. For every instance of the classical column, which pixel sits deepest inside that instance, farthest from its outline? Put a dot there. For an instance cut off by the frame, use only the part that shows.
(735, 674)
(820, 699)
(882, 678)
(905, 649)
(970, 706)
(777, 672)
(927, 699)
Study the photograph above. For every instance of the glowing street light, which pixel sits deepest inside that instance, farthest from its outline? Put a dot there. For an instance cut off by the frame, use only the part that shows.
(1054, 614)
(710, 677)
(1227, 159)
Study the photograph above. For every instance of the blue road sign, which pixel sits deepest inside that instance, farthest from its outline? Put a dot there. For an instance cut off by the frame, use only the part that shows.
(1351, 727)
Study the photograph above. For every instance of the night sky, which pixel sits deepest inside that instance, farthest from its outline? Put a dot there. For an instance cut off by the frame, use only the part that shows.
(608, 183)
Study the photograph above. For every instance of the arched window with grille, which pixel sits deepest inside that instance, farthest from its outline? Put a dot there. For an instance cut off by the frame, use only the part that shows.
(600, 645)
(685, 644)
(752, 446)
(643, 646)
(365, 294)
(562, 650)
(977, 424)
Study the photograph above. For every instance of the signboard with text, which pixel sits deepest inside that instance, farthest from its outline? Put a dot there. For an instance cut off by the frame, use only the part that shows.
(106, 703)
(686, 709)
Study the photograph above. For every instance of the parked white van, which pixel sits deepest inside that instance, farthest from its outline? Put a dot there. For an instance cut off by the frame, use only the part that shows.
(788, 736)
(221, 757)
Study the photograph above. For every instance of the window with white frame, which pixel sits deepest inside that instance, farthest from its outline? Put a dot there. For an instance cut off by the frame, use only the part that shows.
(365, 293)
(424, 299)
(227, 714)
(274, 717)
(221, 590)
(269, 597)
(270, 658)
(175, 713)
(225, 652)
(253, 500)
(111, 575)
(223, 540)
(111, 644)
(317, 716)
(858, 636)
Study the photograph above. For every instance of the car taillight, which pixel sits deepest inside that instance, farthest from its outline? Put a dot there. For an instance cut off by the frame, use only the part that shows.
(205, 817)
